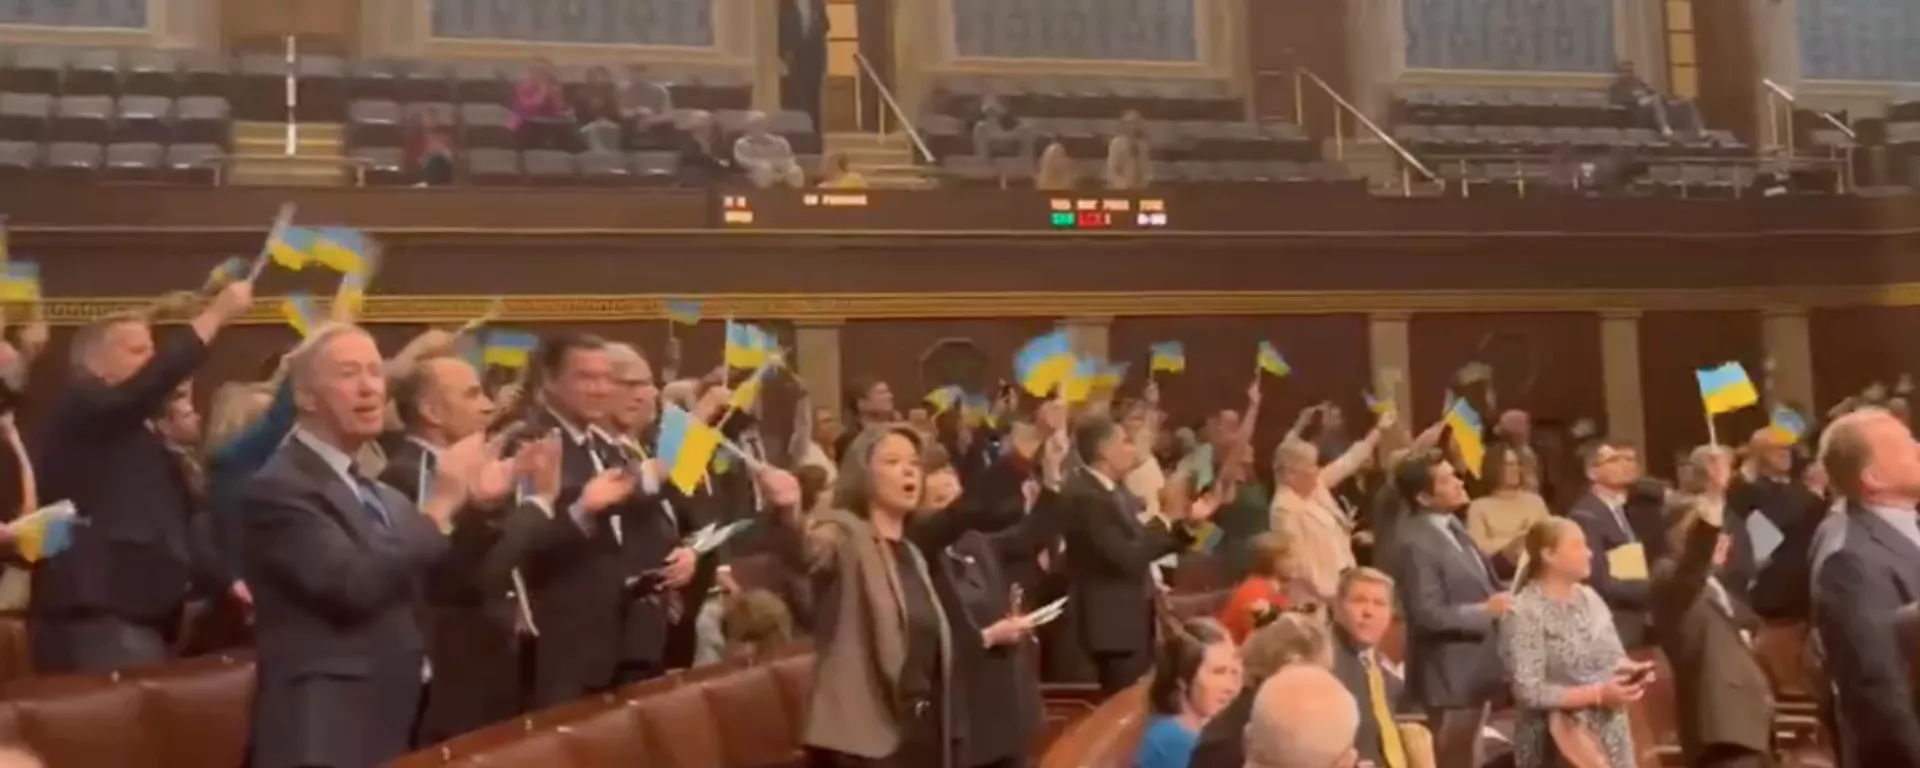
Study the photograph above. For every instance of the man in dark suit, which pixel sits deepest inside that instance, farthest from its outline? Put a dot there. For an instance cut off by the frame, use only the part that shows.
(1361, 620)
(1110, 556)
(803, 55)
(110, 601)
(1452, 604)
(471, 614)
(576, 575)
(1872, 461)
(334, 561)
(1601, 515)
(1725, 710)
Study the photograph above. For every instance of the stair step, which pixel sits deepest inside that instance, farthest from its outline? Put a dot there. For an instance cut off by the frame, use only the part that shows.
(303, 147)
(256, 129)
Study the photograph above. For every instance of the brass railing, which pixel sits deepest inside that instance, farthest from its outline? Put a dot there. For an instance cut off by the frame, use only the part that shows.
(1408, 163)
(1781, 104)
(891, 106)
(1521, 180)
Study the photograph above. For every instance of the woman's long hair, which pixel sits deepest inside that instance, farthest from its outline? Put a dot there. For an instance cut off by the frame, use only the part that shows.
(1541, 540)
(1181, 654)
(235, 406)
(853, 490)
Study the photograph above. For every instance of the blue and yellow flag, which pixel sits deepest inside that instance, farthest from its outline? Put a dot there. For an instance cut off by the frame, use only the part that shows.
(1168, 356)
(1468, 437)
(352, 296)
(46, 532)
(683, 311)
(747, 392)
(1044, 363)
(1268, 359)
(1725, 388)
(686, 447)
(976, 410)
(343, 249)
(748, 346)
(1078, 386)
(1378, 405)
(1110, 376)
(509, 349)
(943, 399)
(20, 281)
(301, 313)
(1206, 537)
(287, 245)
(1786, 427)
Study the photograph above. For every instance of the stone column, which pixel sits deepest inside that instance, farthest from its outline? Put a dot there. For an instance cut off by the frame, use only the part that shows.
(1783, 333)
(1376, 52)
(1391, 359)
(1620, 375)
(816, 351)
(1090, 335)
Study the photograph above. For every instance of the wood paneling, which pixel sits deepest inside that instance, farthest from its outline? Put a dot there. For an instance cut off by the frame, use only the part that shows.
(1284, 35)
(1328, 354)
(1854, 347)
(915, 357)
(1673, 345)
(1728, 67)
(1547, 364)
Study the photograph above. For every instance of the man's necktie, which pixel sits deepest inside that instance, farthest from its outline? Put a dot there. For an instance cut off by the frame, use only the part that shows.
(1620, 519)
(369, 497)
(1467, 548)
(1391, 749)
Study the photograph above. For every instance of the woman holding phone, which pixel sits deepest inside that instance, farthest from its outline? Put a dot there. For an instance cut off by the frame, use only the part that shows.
(1564, 656)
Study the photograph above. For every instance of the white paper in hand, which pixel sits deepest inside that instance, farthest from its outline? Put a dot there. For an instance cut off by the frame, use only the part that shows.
(1766, 537)
(713, 540)
(1046, 614)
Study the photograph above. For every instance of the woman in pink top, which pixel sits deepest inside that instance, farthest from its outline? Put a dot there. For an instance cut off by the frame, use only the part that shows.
(538, 98)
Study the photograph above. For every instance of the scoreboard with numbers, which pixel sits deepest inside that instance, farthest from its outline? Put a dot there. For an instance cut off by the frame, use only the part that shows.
(1106, 213)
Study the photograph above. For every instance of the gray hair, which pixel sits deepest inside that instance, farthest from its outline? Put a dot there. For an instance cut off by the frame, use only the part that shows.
(1294, 452)
(1303, 717)
(87, 340)
(301, 361)
(623, 357)
(853, 489)
(1846, 452)
(1289, 639)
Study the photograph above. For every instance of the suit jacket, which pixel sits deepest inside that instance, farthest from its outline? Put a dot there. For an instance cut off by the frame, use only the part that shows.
(651, 528)
(1628, 599)
(340, 652)
(1781, 587)
(1453, 652)
(132, 559)
(1352, 671)
(1874, 572)
(469, 608)
(799, 45)
(1109, 557)
(1724, 696)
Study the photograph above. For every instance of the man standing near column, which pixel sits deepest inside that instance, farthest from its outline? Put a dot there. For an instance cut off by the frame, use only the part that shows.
(803, 55)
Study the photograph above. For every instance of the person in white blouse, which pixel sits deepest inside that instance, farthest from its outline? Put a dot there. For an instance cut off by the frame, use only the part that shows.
(1305, 511)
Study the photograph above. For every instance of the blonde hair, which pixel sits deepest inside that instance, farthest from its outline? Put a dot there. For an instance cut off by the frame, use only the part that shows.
(1273, 555)
(1055, 172)
(1291, 638)
(235, 406)
(754, 622)
(1541, 540)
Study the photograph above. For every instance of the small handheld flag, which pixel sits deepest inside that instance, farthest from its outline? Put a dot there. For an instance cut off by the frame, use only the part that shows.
(343, 249)
(1044, 363)
(1268, 359)
(1111, 376)
(46, 532)
(20, 281)
(943, 399)
(1167, 356)
(352, 296)
(1786, 427)
(748, 346)
(1378, 405)
(288, 245)
(508, 349)
(1464, 422)
(1078, 386)
(976, 410)
(683, 311)
(300, 313)
(686, 447)
(1725, 388)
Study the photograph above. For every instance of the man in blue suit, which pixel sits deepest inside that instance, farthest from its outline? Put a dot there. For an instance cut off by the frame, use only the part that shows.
(1874, 464)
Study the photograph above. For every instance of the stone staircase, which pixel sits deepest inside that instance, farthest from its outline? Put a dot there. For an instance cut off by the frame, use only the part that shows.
(887, 161)
(261, 159)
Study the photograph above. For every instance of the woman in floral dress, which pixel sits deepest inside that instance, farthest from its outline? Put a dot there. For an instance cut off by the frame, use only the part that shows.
(1562, 653)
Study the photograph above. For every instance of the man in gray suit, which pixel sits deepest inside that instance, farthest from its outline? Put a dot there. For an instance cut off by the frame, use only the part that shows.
(1451, 601)
(1873, 462)
(334, 560)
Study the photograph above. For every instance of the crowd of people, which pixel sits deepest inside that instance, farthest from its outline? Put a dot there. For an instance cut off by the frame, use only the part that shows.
(418, 548)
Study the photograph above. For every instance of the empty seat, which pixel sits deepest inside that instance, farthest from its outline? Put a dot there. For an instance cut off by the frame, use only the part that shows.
(374, 123)
(93, 72)
(423, 81)
(82, 118)
(481, 82)
(657, 168)
(321, 83)
(486, 125)
(194, 163)
(375, 79)
(18, 155)
(73, 156)
(143, 118)
(604, 167)
(23, 116)
(133, 161)
(383, 165)
(201, 119)
(546, 166)
(206, 74)
(150, 73)
(495, 166)
(34, 69)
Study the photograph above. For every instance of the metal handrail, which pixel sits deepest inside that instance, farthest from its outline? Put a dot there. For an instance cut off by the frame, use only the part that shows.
(1301, 72)
(893, 106)
(1824, 115)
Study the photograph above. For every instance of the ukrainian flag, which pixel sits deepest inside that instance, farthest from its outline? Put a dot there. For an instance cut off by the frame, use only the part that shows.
(508, 349)
(1379, 405)
(943, 399)
(1044, 363)
(289, 246)
(1168, 356)
(232, 269)
(686, 447)
(748, 346)
(46, 532)
(1725, 388)
(20, 281)
(747, 392)
(1468, 434)
(1078, 387)
(1206, 537)
(976, 410)
(342, 249)
(1786, 427)
(1111, 376)
(683, 311)
(1269, 360)
(352, 297)
(298, 309)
